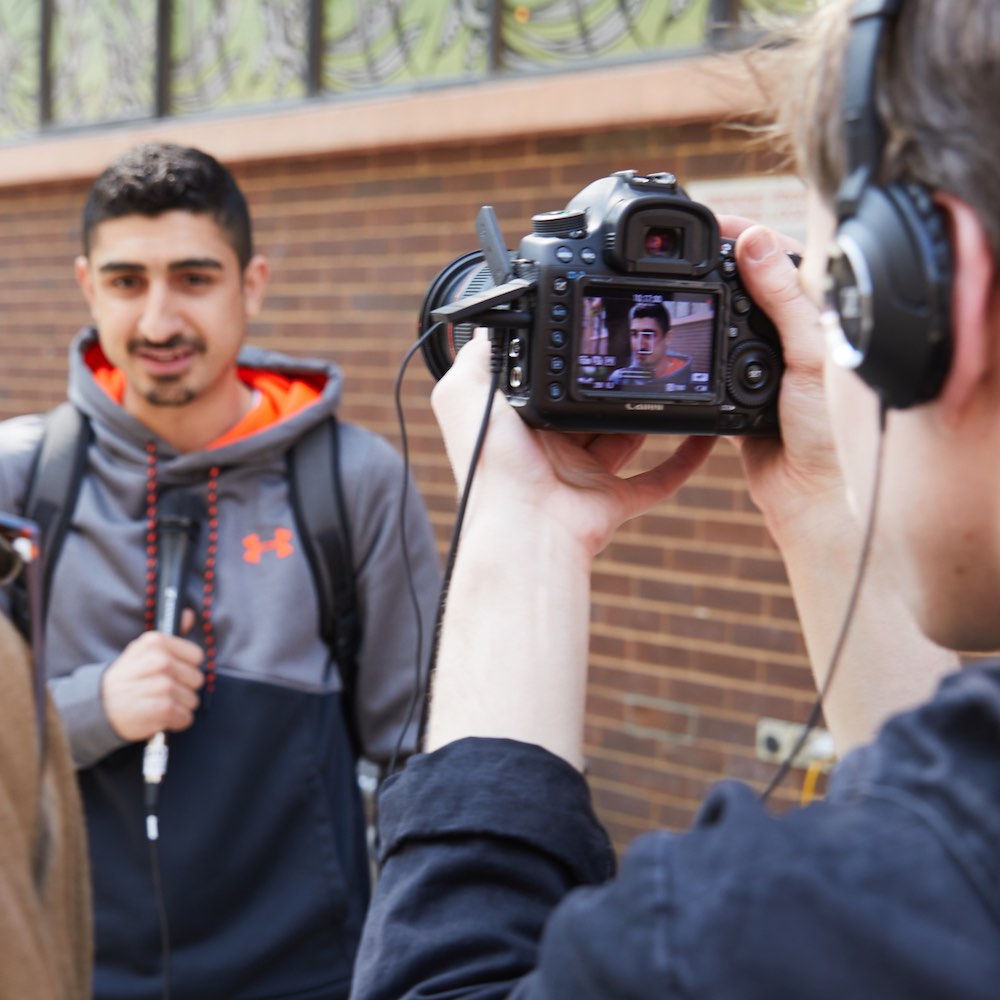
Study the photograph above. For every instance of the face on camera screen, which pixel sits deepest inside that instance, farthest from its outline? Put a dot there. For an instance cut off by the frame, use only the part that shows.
(646, 343)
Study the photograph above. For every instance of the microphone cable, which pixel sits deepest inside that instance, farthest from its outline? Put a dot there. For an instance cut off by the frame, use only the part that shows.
(422, 685)
(178, 524)
(161, 914)
(852, 603)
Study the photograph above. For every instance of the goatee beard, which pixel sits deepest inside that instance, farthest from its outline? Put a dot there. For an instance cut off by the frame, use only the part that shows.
(167, 395)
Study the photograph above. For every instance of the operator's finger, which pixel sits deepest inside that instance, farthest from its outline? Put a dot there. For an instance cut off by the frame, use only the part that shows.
(732, 226)
(646, 489)
(614, 450)
(459, 400)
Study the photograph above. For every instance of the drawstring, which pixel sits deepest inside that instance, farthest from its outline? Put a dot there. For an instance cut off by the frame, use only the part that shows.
(208, 578)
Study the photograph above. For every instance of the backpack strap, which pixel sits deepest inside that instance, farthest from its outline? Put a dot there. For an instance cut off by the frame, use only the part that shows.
(317, 496)
(53, 484)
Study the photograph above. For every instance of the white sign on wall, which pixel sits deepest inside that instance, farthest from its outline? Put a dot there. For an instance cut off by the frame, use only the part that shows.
(777, 201)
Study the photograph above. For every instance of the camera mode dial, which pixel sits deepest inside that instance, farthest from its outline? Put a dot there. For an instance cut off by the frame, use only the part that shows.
(563, 222)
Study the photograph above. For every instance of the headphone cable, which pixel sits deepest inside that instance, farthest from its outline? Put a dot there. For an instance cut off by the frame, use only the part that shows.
(852, 602)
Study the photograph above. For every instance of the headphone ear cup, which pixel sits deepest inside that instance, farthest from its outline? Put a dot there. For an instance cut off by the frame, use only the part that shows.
(889, 281)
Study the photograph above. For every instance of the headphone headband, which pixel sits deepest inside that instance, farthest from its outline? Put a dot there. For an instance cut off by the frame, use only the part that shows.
(864, 133)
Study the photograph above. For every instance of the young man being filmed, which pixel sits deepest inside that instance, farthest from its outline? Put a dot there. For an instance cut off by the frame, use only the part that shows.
(260, 877)
(496, 878)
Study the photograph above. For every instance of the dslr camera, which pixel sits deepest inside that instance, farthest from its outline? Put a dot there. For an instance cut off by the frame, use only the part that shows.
(621, 312)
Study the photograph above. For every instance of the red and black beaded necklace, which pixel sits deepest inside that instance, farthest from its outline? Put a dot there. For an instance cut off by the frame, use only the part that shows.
(211, 553)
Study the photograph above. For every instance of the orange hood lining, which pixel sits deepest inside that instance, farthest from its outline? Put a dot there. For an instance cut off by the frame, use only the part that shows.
(276, 397)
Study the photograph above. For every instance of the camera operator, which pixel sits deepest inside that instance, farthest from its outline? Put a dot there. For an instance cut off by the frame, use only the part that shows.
(497, 879)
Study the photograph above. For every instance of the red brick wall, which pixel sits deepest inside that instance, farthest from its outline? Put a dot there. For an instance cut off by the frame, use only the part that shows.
(694, 635)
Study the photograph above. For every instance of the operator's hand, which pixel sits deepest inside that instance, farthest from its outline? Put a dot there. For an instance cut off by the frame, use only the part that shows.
(565, 479)
(885, 664)
(795, 478)
(153, 685)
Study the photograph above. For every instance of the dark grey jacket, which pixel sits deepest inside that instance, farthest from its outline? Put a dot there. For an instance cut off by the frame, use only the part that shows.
(497, 879)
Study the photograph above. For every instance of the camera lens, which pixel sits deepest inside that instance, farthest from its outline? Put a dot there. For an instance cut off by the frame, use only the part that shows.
(466, 276)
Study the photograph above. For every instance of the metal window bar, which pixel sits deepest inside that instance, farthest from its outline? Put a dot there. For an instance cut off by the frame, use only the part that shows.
(164, 40)
(47, 17)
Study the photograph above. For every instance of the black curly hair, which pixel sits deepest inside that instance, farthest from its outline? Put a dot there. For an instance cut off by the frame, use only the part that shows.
(162, 177)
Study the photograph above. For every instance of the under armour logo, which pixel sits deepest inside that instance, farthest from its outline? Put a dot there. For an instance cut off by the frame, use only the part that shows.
(281, 545)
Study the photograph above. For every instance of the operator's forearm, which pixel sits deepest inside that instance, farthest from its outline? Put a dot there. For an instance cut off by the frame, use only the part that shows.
(887, 665)
(513, 653)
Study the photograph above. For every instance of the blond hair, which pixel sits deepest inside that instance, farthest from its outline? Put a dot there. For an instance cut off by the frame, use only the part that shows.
(936, 91)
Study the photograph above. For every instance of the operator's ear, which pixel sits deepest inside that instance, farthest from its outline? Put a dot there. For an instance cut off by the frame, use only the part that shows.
(975, 307)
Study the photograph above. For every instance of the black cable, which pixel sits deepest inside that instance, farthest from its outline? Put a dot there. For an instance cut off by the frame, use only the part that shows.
(422, 683)
(161, 906)
(419, 684)
(838, 648)
(457, 530)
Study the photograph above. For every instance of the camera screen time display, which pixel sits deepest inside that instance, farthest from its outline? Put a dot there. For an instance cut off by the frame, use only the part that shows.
(646, 344)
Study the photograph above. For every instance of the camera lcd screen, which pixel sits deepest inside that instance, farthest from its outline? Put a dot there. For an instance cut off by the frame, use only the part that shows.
(646, 343)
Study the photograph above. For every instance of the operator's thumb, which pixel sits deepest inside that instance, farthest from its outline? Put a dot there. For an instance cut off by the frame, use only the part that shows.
(772, 282)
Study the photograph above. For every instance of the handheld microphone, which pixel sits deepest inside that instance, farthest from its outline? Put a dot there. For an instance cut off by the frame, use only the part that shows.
(178, 525)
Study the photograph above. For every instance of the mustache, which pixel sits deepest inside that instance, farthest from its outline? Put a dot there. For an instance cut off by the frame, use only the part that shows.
(178, 342)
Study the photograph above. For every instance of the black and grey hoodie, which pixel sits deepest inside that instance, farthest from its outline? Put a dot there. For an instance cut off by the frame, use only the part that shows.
(262, 847)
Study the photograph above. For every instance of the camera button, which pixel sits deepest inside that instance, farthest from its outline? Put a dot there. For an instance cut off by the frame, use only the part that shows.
(557, 338)
(754, 373)
(515, 348)
(732, 421)
(564, 254)
(516, 377)
(728, 267)
(734, 332)
(588, 256)
(557, 365)
(559, 313)
(560, 285)
(741, 305)
(555, 390)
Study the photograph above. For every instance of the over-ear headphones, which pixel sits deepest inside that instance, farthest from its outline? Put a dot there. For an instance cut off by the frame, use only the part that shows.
(889, 270)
